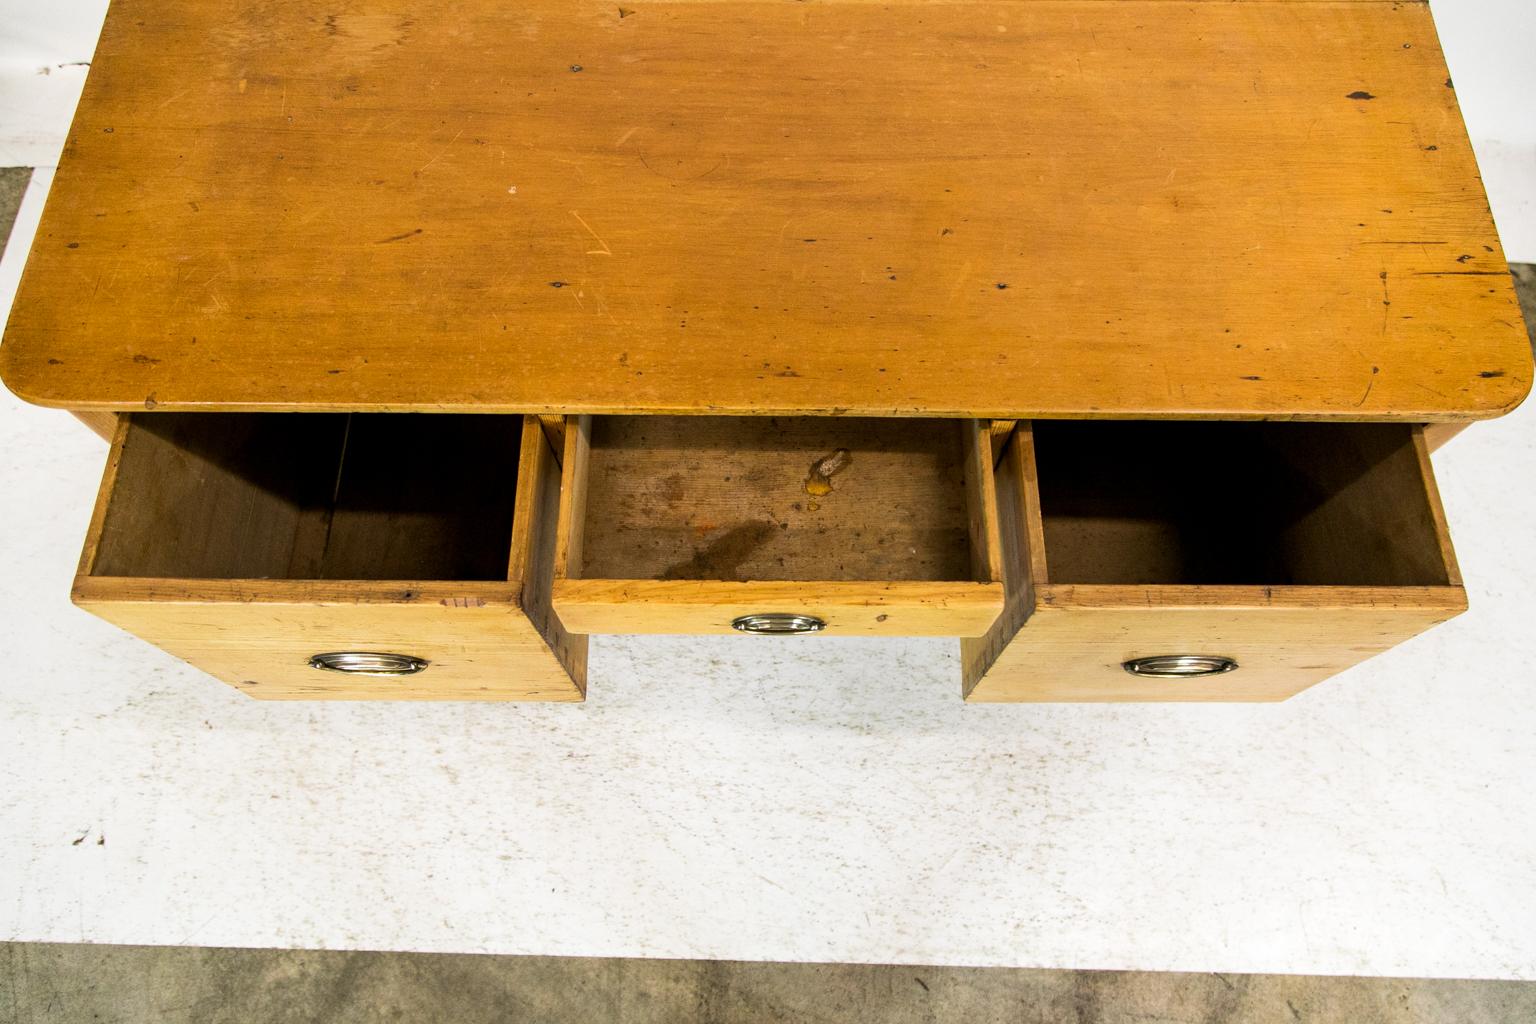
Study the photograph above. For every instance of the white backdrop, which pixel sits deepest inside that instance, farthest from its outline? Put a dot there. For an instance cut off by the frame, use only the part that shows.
(45, 46)
(1491, 48)
(1490, 44)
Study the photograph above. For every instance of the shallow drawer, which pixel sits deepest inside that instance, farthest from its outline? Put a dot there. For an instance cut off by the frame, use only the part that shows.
(1209, 561)
(840, 526)
(337, 556)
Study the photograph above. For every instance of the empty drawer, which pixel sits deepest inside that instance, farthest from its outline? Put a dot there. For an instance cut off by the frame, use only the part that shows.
(1209, 561)
(337, 556)
(675, 524)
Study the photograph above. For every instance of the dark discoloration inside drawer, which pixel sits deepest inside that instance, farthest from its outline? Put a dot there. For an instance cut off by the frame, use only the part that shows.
(769, 498)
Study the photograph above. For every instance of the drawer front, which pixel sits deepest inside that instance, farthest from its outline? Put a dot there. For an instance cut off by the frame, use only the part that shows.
(261, 636)
(836, 609)
(714, 525)
(1355, 517)
(193, 509)
(1078, 647)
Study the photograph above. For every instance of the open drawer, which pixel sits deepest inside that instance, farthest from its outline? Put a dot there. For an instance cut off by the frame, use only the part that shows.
(337, 556)
(1209, 561)
(674, 524)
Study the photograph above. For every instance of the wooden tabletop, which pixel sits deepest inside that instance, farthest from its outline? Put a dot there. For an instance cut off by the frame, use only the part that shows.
(1054, 208)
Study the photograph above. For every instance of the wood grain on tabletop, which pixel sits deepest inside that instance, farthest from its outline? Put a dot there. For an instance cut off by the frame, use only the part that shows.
(1049, 208)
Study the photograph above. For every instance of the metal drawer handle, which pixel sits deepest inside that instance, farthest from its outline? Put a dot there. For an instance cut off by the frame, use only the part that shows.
(778, 624)
(1180, 666)
(368, 663)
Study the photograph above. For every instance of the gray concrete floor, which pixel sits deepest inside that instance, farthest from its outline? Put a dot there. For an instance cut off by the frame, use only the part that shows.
(13, 182)
(1525, 287)
(139, 984)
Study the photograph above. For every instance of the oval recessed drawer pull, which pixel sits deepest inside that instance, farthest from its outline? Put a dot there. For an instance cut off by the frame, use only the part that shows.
(368, 663)
(778, 624)
(1180, 666)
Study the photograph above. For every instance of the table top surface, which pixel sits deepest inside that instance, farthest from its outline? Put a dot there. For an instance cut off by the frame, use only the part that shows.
(1127, 208)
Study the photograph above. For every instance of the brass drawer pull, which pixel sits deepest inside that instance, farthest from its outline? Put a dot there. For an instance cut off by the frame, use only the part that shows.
(778, 624)
(1180, 666)
(368, 663)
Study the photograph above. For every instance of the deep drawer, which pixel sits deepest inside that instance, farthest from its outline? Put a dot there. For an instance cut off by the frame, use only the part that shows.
(1209, 561)
(337, 556)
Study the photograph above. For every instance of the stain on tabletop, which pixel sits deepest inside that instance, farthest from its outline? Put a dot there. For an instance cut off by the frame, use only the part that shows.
(399, 238)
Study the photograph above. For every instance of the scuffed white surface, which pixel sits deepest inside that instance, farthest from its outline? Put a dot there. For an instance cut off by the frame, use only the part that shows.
(45, 50)
(37, 104)
(1509, 176)
(807, 799)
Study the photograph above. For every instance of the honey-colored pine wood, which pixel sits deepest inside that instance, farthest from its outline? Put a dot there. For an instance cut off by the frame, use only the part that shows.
(101, 423)
(1072, 648)
(1001, 431)
(534, 538)
(258, 635)
(1379, 519)
(1437, 434)
(680, 525)
(703, 607)
(1017, 500)
(554, 431)
(166, 506)
(983, 533)
(1056, 208)
(570, 532)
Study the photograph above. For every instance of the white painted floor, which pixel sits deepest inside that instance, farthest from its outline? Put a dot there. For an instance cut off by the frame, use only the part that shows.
(806, 799)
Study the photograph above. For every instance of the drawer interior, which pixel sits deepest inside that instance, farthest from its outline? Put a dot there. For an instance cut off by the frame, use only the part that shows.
(1216, 503)
(312, 496)
(776, 499)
